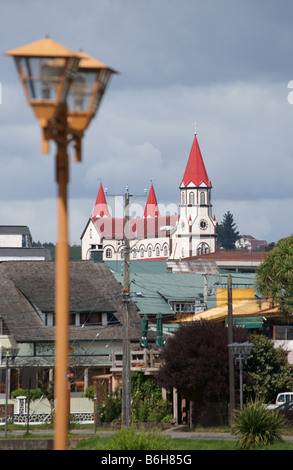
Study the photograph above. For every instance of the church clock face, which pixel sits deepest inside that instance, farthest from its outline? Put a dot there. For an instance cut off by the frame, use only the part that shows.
(203, 224)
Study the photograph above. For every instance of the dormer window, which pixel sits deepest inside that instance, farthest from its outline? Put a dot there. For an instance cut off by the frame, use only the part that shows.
(93, 318)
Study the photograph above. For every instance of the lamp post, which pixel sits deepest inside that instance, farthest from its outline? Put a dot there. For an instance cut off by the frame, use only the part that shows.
(241, 352)
(9, 354)
(64, 89)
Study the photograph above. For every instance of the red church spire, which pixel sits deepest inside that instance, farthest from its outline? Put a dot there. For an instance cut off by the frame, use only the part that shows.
(195, 171)
(151, 208)
(101, 209)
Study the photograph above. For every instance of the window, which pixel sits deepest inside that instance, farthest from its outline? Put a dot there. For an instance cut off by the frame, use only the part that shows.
(111, 319)
(191, 198)
(71, 320)
(165, 250)
(134, 253)
(184, 307)
(202, 198)
(3, 327)
(150, 251)
(182, 198)
(108, 253)
(157, 250)
(94, 318)
(203, 249)
(142, 252)
(283, 333)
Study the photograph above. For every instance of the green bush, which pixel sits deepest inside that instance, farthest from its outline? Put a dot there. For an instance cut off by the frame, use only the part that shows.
(111, 408)
(257, 425)
(89, 393)
(129, 439)
(147, 402)
(35, 394)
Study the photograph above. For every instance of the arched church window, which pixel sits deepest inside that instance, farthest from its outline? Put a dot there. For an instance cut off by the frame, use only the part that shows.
(157, 250)
(191, 197)
(203, 249)
(165, 250)
(142, 252)
(149, 251)
(134, 253)
(183, 197)
(202, 198)
(108, 253)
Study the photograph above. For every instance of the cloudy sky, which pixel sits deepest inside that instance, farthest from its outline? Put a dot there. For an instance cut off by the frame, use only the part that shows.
(226, 65)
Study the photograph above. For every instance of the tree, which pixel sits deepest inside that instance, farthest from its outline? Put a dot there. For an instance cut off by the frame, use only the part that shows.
(274, 277)
(196, 363)
(227, 233)
(267, 369)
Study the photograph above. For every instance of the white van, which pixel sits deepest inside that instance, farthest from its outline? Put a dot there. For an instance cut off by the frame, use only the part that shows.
(282, 398)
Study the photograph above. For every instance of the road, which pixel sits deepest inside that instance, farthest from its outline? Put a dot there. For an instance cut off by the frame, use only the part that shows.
(178, 432)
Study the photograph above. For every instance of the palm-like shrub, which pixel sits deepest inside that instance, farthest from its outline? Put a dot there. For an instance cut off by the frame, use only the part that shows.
(257, 425)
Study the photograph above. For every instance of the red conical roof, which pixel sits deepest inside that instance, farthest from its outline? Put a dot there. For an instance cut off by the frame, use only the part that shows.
(195, 171)
(101, 209)
(151, 208)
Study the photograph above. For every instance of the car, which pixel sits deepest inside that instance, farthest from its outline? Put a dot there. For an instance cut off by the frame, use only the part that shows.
(286, 410)
(283, 397)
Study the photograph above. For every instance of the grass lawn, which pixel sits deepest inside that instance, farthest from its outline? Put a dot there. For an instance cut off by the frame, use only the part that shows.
(104, 443)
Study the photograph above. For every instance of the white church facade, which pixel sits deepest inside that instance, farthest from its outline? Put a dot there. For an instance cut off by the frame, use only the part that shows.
(190, 232)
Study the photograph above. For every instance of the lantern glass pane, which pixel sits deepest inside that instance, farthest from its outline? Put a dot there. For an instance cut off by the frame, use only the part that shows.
(41, 76)
(246, 349)
(103, 77)
(80, 93)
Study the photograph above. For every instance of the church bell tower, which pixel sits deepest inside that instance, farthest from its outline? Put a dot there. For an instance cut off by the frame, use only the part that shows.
(196, 229)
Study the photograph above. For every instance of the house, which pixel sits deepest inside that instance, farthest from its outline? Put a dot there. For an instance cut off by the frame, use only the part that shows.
(233, 261)
(177, 288)
(250, 243)
(16, 244)
(27, 317)
(15, 236)
(156, 233)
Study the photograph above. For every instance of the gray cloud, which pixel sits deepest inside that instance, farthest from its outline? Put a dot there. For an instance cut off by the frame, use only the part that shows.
(225, 65)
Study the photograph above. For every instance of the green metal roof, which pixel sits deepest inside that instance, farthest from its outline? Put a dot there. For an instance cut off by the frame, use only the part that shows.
(152, 290)
(139, 266)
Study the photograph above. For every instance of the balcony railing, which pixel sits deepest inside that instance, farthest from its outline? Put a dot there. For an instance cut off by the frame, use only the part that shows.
(147, 361)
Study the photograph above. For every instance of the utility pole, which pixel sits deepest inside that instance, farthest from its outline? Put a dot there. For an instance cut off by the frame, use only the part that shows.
(126, 340)
(205, 291)
(230, 341)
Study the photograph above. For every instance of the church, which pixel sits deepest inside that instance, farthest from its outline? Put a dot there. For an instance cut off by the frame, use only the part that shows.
(153, 236)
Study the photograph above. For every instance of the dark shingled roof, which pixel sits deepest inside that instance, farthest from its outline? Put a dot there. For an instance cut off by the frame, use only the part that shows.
(26, 286)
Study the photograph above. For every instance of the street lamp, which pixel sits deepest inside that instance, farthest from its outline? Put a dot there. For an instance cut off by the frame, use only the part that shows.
(241, 352)
(9, 354)
(64, 89)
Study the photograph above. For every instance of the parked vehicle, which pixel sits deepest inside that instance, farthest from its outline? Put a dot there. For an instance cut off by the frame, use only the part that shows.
(286, 410)
(283, 397)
